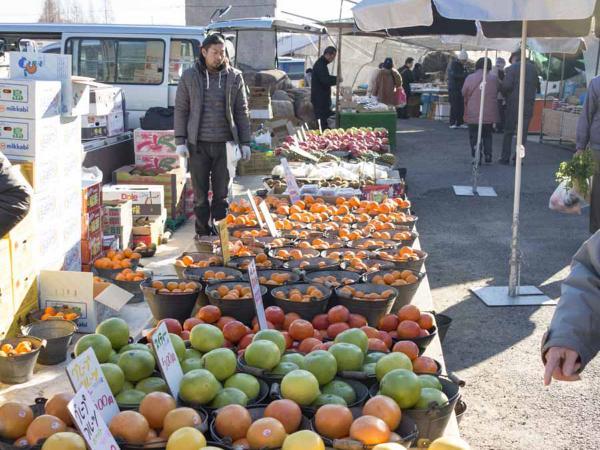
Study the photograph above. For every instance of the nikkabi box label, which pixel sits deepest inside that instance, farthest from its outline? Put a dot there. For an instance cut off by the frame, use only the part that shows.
(29, 99)
(37, 138)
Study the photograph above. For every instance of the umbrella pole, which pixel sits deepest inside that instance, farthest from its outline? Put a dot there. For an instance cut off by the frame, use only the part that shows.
(545, 97)
(339, 69)
(479, 130)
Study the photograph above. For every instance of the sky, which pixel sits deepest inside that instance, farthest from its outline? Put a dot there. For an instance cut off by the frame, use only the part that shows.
(171, 12)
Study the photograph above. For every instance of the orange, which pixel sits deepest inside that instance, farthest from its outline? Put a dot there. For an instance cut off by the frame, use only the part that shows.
(370, 430)
(158, 284)
(127, 252)
(172, 285)
(222, 290)
(187, 260)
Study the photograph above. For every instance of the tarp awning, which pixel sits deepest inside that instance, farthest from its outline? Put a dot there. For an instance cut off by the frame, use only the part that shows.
(267, 24)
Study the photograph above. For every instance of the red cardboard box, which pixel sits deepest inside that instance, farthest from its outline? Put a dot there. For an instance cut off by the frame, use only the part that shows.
(91, 224)
(91, 197)
(91, 248)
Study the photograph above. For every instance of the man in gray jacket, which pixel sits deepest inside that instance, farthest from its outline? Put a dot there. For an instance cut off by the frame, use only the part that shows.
(211, 109)
(573, 338)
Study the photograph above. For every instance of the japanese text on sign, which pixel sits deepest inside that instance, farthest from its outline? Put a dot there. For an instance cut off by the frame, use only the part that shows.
(257, 295)
(167, 359)
(90, 423)
(290, 179)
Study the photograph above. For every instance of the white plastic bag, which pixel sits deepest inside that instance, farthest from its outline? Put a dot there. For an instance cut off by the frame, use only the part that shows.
(566, 200)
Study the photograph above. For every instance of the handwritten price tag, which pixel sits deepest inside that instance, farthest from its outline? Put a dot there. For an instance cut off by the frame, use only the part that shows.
(267, 215)
(84, 372)
(258, 301)
(167, 359)
(255, 209)
(224, 236)
(90, 423)
(290, 180)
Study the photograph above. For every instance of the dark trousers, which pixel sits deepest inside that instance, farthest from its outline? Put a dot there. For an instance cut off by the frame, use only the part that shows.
(457, 108)
(208, 168)
(502, 114)
(486, 138)
(509, 133)
(323, 114)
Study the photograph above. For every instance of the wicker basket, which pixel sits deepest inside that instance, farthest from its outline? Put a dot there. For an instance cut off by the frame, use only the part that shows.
(261, 163)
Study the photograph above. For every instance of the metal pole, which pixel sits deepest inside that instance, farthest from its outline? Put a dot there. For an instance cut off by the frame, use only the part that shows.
(515, 259)
(561, 91)
(597, 58)
(237, 38)
(479, 129)
(545, 97)
(339, 69)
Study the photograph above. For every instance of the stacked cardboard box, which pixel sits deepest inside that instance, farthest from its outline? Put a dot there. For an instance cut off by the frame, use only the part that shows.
(91, 210)
(259, 103)
(117, 220)
(106, 117)
(155, 149)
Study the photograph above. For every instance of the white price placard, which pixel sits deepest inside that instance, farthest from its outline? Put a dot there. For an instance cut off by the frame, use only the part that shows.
(167, 359)
(257, 295)
(255, 209)
(85, 372)
(224, 236)
(267, 215)
(90, 423)
(290, 180)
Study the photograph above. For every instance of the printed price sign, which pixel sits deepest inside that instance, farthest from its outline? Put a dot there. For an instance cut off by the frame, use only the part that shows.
(258, 301)
(290, 180)
(90, 423)
(267, 215)
(84, 372)
(224, 236)
(255, 209)
(167, 359)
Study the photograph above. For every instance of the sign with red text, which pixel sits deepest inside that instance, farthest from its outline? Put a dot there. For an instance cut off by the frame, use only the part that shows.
(290, 180)
(90, 423)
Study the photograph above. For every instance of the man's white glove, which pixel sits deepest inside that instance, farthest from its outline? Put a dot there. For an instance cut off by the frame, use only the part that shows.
(246, 153)
(182, 151)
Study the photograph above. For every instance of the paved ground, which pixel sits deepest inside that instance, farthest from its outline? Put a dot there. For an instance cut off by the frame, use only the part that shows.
(496, 350)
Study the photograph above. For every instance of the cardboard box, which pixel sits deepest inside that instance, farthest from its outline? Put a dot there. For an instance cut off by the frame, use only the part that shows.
(122, 235)
(29, 99)
(22, 246)
(150, 233)
(91, 248)
(105, 99)
(153, 141)
(45, 66)
(117, 213)
(91, 196)
(27, 301)
(37, 138)
(91, 223)
(6, 294)
(157, 161)
(80, 100)
(41, 174)
(94, 127)
(22, 285)
(93, 301)
(173, 182)
(146, 200)
(70, 135)
(72, 260)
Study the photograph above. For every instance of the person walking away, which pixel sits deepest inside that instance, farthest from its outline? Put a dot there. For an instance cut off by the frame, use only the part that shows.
(471, 92)
(211, 110)
(387, 81)
(321, 83)
(373, 78)
(15, 196)
(499, 72)
(407, 78)
(510, 89)
(588, 133)
(573, 337)
(456, 78)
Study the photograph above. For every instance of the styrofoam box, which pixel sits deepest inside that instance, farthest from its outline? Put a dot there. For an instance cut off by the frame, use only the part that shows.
(105, 99)
(29, 99)
(39, 138)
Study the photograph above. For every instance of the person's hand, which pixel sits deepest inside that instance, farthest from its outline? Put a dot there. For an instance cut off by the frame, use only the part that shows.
(182, 151)
(246, 153)
(561, 364)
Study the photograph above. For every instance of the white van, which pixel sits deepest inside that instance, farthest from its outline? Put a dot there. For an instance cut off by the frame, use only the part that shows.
(145, 61)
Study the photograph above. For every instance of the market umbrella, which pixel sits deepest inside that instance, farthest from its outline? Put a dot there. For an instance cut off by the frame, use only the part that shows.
(499, 18)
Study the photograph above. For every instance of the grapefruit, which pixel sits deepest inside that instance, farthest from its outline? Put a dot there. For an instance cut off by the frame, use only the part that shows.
(186, 438)
(179, 418)
(303, 440)
(266, 433)
(295, 358)
(271, 335)
(284, 368)
(178, 346)
(389, 446)
(246, 383)
(429, 381)
(135, 346)
(114, 357)
(137, 364)
(43, 427)
(429, 397)
(354, 336)
(205, 337)
(328, 399)
(192, 353)
(263, 354)
(114, 377)
(191, 364)
(322, 364)
(333, 421)
(373, 357)
(221, 362)
(390, 362)
(64, 441)
(57, 406)
(369, 369)
(233, 422)
(341, 389)
(385, 408)
(116, 330)
(449, 443)
(152, 384)
(300, 386)
(130, 397)
(229, 396)
(287, 412)
(15, 417)
(403, 386)
(370, 430)
(98, 342)
(155, 406)
(199, 386)
(349, 357)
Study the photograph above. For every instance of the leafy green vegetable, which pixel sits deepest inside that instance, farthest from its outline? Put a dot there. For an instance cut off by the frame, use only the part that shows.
(577, 172)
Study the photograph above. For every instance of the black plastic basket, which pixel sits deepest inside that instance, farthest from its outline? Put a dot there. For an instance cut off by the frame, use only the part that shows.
(177, 305)
(372, 310)
(405, 292)
(196, 257)
(242, 310)
(306, 310)
(410, 265)
(422, 342)
(338, 274)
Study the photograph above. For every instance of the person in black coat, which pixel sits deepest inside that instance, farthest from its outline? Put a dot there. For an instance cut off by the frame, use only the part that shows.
(407, 78)
(456, 78)
(321, 83)
(15, 196)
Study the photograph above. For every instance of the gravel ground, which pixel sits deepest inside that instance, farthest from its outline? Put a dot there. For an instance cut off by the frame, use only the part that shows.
(496, 350)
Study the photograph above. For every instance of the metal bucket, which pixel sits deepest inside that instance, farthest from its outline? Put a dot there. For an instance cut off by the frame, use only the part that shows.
(460, 409)
(19, 368)
(443, 323)
(175, 305)
(405, 293)
(58, 335)
(306, 310)
(372, 310)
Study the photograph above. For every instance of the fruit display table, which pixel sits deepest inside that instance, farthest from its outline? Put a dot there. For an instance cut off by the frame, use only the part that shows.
(374, 119)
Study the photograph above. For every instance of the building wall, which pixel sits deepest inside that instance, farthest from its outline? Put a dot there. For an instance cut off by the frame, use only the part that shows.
(254, 50)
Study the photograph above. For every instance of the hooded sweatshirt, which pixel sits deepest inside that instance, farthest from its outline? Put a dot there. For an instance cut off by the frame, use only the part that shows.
(214, 126)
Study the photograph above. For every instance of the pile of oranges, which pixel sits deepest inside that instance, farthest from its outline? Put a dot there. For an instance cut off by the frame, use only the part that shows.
(211, 275)
(175, 287)
(188, 261)
(130, 275)
(238, 292)
(117, 260)
(261, 260)
(398, 236)
(320, 244)
(312, 293)
(331, 280)
(403, 254)
(51, 313)
(296, 253)
(276, 279)
(245, 234)
(396, 278)
(352, 292)
(21, 348)
(371, 244)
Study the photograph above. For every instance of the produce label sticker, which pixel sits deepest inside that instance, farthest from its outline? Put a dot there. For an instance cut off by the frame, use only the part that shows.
(84, 372)
(256, 294)
(167, 359)
(255, 209)
(267, 215)
(290, 179)
(224, 236)
(90, 423)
